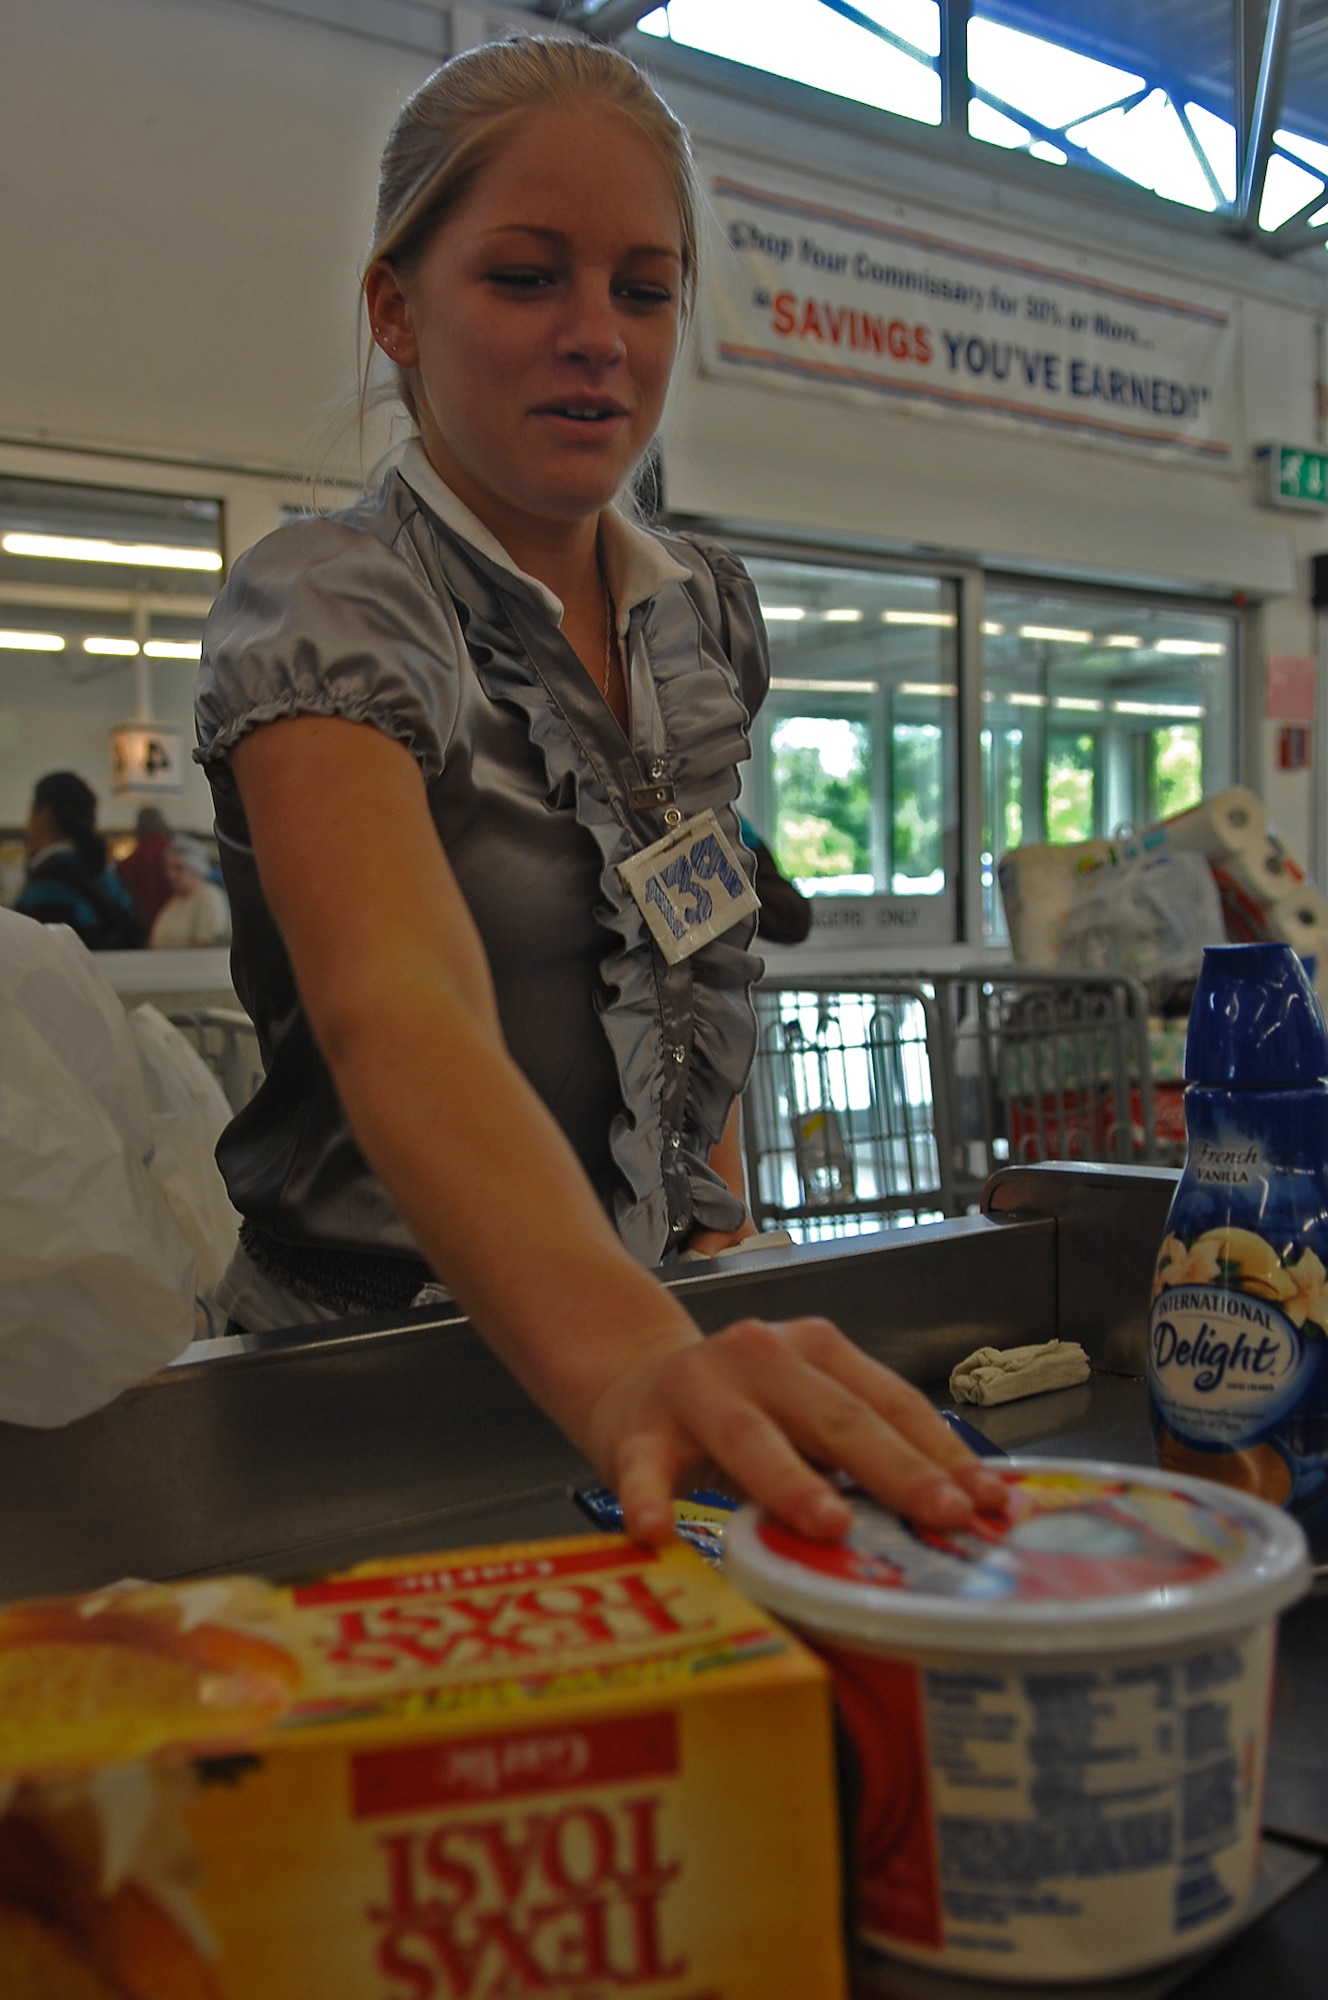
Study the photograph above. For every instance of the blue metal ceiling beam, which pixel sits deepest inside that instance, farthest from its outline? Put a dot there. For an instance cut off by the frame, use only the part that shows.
(1269, 91)
(849, 12)
(954, 62)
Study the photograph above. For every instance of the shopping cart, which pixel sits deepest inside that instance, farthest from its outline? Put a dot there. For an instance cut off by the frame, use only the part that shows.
(225, 1039)
(1047, 1066)
(892, 1100)
(843, 1123)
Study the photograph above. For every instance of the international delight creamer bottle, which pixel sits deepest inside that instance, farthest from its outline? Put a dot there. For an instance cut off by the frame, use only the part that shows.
(1238, 1327)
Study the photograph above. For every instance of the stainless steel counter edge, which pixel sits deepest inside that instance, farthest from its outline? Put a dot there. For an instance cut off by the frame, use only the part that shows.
(320, 1445)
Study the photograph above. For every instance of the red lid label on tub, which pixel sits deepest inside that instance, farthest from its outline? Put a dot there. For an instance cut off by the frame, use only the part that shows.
(1064, 1537)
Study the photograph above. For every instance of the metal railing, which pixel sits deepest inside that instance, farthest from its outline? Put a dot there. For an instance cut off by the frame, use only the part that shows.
(225, 1039)
(888, 1101)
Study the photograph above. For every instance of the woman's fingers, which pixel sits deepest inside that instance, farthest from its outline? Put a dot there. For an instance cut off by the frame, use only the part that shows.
(767, 1403)
(650, 1464)
(806, 1413)
(902, 1406)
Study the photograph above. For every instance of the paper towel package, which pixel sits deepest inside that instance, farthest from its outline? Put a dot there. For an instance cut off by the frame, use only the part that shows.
(1231, 822)
(1266, 872)
(1038, 889)
(577, 1769)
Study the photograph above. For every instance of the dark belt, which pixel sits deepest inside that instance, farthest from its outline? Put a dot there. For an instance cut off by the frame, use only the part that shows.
(344, 1281)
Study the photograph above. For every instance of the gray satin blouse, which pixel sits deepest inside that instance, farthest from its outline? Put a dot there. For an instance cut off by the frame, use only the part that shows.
(383, 614)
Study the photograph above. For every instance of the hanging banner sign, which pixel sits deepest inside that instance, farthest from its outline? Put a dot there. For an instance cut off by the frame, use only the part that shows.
(898, 305)
(147, 757)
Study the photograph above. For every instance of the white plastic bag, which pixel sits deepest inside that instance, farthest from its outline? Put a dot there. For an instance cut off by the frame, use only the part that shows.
(189, 1111)
(97, 1280)
(1151, 917)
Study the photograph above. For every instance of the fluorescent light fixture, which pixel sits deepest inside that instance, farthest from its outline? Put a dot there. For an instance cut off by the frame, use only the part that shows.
(1079, 703)
(174, 649)
(1176, 710)
(1026, 700)
(142, 555)
(991, 629)
(127, 647)
(846, 615)
(1124, 642)
(780, 686)
(1192, 649)
(32, 642)
(1063, 635)
(918, 618)
(788, 613)
(927, 687)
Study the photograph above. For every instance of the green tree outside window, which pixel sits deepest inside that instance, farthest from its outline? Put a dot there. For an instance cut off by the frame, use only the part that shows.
(1071, 773)
(822, 795)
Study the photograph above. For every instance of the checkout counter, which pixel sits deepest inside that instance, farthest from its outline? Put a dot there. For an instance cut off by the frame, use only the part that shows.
(306, 1450)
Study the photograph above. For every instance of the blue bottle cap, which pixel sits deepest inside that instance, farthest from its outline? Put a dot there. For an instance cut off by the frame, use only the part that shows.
(1255, 1020)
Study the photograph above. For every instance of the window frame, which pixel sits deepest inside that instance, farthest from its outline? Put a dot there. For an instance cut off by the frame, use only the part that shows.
(849, 552)
(971, 582)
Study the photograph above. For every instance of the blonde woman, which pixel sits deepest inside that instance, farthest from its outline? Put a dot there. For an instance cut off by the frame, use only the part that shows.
(441, 728)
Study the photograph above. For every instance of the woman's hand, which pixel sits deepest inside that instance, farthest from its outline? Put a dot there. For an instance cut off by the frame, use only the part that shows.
(709, 1242)
(767, 1403)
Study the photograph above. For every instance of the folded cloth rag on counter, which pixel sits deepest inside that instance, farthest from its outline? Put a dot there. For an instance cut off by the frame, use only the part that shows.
(996, 1375)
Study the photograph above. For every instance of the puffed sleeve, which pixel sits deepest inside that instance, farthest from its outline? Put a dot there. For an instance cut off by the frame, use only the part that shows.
(323, 619)
(727, 600)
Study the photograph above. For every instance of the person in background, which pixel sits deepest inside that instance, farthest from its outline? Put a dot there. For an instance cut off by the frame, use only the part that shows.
(143, 870)
(69, 880)
(785, 916)
(196, 913)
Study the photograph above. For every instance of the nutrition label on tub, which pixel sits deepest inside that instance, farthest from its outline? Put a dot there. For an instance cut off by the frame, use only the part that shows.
(1055, 1790)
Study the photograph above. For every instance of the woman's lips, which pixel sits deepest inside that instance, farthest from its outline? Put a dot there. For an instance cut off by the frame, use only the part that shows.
(582, 417)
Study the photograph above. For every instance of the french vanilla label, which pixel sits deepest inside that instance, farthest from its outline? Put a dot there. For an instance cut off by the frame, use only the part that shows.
(1237, 1165)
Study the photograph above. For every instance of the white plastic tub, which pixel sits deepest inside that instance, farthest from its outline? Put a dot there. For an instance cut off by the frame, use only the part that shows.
(1059, 1721)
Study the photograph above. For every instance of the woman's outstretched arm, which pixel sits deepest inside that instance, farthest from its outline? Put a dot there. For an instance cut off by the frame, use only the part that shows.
(396, 986)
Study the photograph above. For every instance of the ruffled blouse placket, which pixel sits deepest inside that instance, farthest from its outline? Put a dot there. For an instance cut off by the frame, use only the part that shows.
(682, 1037)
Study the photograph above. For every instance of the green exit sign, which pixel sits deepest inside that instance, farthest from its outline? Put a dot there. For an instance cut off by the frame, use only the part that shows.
(1297, 476)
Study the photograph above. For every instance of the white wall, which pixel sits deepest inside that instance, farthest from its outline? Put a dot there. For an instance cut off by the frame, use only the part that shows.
(197, 181)
(196, 187)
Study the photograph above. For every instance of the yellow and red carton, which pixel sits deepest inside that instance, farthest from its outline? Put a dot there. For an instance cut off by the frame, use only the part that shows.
(576, 1769)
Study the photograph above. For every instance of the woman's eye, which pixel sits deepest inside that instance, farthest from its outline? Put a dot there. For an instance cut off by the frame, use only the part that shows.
(643, 294)
(522, 280)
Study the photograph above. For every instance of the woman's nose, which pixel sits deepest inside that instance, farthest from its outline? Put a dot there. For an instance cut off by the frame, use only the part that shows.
(591, 330)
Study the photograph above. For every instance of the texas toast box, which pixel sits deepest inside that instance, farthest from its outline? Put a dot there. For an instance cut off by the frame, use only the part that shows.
(576, 1769)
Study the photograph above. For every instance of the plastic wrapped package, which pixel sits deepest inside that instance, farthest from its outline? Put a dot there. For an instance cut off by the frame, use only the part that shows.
(1150, 917)
(97, 1280)
(189, 1112)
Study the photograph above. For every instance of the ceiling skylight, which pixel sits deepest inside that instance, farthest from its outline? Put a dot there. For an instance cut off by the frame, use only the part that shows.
(1147, 143)
(1286, 191)
(1027, 93)
(809, 42)
(1051, 84)
(1217, 136)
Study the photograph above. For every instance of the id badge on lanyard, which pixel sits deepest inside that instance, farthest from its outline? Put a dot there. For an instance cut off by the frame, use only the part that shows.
(690, 886)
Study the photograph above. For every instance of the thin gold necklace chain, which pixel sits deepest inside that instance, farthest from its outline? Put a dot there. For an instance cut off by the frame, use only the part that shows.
(608, 639)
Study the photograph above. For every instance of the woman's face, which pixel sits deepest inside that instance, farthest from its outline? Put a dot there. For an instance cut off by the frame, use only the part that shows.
(181, 877)
(542, 320)
(41, 830)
